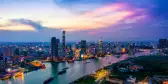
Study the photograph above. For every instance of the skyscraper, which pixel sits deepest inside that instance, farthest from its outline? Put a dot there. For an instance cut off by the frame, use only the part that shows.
(7, 50)
(1, 56)
(63, 41)
(54, 48)
(83, 46)
(58, 44)
(17, 51)
(163, 43)
(100, 46)
(58, 41)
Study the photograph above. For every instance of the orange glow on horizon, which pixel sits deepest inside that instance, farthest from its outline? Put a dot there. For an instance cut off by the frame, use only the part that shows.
(20, 27)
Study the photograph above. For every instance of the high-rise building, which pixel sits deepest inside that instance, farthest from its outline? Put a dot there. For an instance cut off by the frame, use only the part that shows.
(1, 56)
(163, 43)
(58, 43)
(83, 46)
(17, 51)
(100, 46)
(69, 52)
(131, 49)
(63, 41)
(54, 48)
(7, 50)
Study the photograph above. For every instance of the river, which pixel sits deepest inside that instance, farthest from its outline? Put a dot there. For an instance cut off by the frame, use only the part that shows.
(75, 70)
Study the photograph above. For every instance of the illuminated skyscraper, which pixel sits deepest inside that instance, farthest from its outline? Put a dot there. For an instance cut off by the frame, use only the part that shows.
(83, 46)
(54, 48)
(63, 41)
(100, 46)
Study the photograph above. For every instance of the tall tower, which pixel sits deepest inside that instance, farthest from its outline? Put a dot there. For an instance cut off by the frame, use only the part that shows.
(100, 46)
(63, 41)
(58, 41)
(58, 46)
(54, 48)
(83, 46)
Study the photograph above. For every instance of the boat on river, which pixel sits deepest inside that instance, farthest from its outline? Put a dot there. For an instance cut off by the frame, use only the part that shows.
(48, 80)
(65, 68)
(88, 62)
(62, 72)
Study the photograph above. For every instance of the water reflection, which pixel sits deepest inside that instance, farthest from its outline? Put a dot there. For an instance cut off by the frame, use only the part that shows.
(19, 79)
(54, 68)
(9, 82)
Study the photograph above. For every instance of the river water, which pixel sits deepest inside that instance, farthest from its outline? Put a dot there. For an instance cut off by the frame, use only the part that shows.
(75, 70)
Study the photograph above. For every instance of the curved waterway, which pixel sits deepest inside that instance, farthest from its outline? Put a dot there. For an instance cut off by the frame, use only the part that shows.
(75, 70)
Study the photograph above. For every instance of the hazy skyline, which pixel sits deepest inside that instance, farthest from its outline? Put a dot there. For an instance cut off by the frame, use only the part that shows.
(114, 20)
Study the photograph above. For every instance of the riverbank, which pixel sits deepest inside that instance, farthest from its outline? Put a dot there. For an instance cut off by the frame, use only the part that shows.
(152, 66)
(19, 70)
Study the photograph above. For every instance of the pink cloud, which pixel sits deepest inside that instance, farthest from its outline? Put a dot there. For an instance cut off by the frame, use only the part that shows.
(105, 9)
(107, 15)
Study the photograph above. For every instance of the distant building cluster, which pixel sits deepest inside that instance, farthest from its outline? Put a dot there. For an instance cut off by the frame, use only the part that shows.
(163, 43)
(58, 51)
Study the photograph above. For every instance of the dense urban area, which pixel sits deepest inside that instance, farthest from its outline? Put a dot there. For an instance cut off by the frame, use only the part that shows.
(122, 62)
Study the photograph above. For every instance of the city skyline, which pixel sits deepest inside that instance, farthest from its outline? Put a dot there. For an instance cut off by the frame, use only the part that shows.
(114, 20)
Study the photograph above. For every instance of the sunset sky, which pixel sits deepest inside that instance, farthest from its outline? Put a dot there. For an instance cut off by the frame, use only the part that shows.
(113, 20)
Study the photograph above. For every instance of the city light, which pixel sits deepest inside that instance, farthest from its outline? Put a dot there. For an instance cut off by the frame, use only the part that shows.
(82, 55)
(165, 82)
(123, 50)
(8, 70)
(143, 83)
(101, 74)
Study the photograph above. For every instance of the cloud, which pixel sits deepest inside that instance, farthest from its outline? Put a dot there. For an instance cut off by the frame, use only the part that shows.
(21, 25)
(35, 25)
(135, 19)
(5, 25)
(69, 16)
(102, 17)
